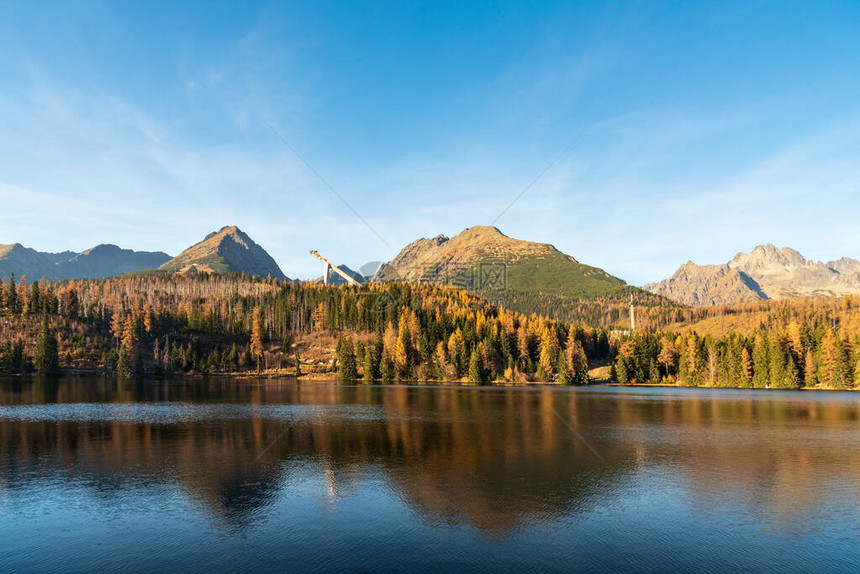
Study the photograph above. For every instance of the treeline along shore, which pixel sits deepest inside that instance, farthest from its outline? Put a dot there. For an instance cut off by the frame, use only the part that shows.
(168, 324)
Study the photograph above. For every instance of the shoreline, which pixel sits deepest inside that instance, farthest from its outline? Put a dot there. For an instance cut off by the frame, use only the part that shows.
(331, 378)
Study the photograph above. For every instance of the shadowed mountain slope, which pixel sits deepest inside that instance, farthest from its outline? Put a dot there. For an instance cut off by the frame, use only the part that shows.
(23, 261)
(100, 261)
(107, 260)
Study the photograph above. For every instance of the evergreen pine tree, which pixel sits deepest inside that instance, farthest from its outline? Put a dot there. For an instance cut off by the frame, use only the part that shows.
(777, 364)
(378, 350)
(843, 377)
(653, 373)
(857, 374)
(476, 368)
(12, 295)
(386, 370)
(729, 369)
(46, 357)
(347, 371)
(563, 377)
(122, 368)
(19, 358)
(5, 356)
(792, 373)
(761, 362)
(622, 373)
(369, 369)
(298, 361)
(34, 304)
(829, 363)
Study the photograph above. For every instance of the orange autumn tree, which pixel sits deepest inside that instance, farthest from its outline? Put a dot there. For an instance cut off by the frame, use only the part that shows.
(257, 338)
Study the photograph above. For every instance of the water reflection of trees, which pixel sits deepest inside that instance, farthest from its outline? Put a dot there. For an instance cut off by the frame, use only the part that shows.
(494, 459)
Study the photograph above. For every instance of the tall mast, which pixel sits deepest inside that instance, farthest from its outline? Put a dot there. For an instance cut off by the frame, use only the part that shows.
(632, 315)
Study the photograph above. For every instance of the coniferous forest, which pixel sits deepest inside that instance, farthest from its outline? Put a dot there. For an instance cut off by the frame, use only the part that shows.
(170, 324)
(164, 325)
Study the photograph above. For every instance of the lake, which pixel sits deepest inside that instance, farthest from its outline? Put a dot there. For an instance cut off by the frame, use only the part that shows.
(104, 476)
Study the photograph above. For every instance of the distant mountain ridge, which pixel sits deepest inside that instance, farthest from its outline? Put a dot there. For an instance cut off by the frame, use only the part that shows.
(107, 260)
(767, 272)
(99, 261)
(228, 250)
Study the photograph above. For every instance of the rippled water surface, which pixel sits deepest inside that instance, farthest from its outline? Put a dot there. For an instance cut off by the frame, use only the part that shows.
(200, 476)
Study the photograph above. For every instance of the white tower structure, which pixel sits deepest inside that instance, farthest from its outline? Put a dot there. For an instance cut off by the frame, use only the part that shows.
(632, 315)
(329, 268)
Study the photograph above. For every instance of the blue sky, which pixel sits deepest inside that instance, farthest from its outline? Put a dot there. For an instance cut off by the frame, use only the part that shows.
(720, 126)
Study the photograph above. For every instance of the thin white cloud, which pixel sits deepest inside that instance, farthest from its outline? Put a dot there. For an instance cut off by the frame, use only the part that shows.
(646, 189)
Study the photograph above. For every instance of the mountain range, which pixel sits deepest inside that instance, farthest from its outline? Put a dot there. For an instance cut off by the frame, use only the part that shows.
(99, 261)
(227, 250)
(523, 274)
(767, 272)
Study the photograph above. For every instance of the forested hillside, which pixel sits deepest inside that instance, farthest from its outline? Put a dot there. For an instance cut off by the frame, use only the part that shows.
(776, 344)
(165, 324)
(610, 312)
(162, 324)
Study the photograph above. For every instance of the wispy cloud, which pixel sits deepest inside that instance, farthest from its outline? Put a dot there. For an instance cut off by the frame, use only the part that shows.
(668, 174)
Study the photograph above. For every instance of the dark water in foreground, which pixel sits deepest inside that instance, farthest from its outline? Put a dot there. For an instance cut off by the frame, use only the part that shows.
(211, 476)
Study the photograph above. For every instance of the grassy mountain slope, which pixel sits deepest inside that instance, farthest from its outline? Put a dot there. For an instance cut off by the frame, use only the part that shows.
(485, 260)
(560, 274)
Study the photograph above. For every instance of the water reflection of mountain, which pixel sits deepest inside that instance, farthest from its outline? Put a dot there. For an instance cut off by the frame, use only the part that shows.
(493, 459)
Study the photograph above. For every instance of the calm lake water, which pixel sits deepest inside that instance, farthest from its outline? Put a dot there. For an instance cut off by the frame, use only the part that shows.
(209, 476)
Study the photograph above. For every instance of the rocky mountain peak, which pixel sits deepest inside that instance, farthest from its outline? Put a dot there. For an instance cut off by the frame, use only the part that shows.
(228, 250)
(229, 232)
(486, 231)
(766, 272)
(10, 248)
(101, 248)
(768, 260)
(845, 265)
